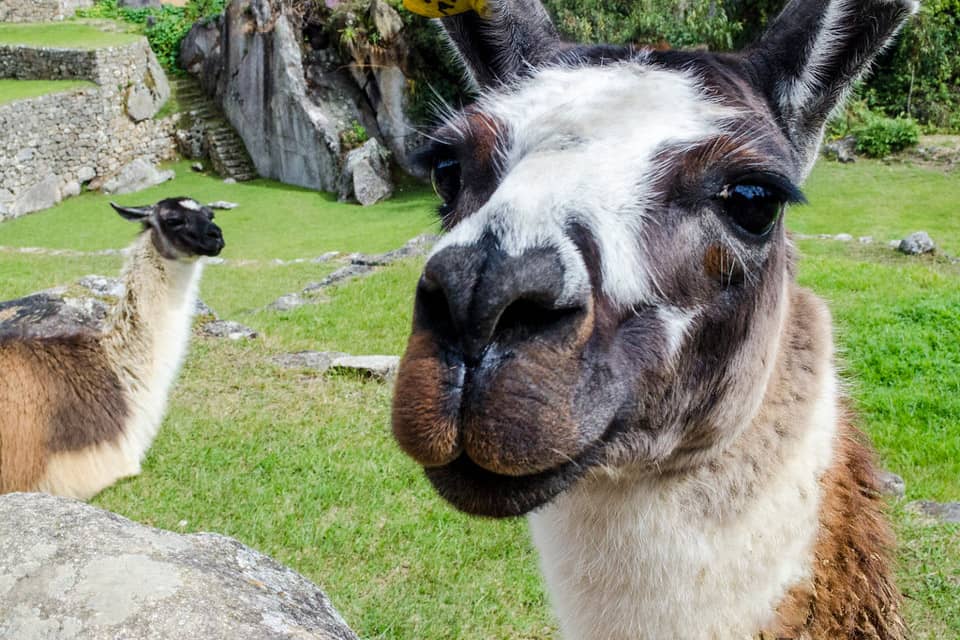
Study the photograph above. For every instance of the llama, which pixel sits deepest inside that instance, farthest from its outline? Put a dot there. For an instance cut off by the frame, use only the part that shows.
(78, 412)
(609, 338)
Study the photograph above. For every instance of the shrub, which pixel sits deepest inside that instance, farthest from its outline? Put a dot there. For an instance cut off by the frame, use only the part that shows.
(880, 136)
(877, 135)
(697, 22)
(164, 28)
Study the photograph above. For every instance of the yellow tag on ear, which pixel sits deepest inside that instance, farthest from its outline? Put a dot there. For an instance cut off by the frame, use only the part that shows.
(444, 8)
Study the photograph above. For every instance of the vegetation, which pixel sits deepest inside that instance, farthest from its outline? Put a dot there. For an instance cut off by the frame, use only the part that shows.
(877, 135)
(62, 35)
(165, 27)
(303, 467)
(11, 90)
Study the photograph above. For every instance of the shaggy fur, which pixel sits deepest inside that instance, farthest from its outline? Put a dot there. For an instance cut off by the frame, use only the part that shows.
(78, 413)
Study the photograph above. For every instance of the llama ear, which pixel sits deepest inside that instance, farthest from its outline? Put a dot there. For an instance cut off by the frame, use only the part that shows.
(135, 214)
(813, 53)
(506, 40)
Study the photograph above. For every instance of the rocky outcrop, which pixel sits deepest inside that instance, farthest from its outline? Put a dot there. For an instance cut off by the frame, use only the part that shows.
(72, 571)
(296, 105)
(255, 70)
(916, 244)
(366, 175)
(136, 176)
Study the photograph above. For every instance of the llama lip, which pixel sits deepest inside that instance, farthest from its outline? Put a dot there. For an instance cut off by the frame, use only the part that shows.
(477, 491)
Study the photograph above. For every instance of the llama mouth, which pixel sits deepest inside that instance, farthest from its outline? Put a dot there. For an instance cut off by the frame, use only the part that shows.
(476, 491)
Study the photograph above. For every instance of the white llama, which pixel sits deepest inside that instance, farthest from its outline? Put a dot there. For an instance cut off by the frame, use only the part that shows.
(610, 337)
(78, 412)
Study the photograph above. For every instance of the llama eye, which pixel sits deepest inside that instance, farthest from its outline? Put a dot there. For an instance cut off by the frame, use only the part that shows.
(446, 181)
(752, 207)
(175, 223)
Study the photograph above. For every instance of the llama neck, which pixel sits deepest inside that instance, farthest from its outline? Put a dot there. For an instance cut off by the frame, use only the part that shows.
(148, 334)
(710, 552)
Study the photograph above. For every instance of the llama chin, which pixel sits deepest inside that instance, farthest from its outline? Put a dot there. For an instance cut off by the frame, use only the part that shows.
(79, 412)
(610, 337)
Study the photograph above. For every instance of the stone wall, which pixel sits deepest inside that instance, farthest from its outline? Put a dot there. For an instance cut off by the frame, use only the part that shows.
(51, 145)
(40, 10)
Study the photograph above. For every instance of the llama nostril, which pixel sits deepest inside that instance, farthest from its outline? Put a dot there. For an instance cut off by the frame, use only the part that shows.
(472, 296)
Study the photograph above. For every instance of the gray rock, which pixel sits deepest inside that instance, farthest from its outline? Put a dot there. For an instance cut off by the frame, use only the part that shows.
(343, 273)
(228, 329)
(202, 310)
(197, 166)
(917, 243)
(942, 511)
(86, 174)
(136, 176)
(315, 360)
(139, 4)
(379, 367)
(102, 286)
(42, 195)
(223, 205)
(146, 97)
(865, 239)
(842, 150)
(893, 244)
(891, 484)
(366, 174)
(70, 570)
(229, 181)
(200, 46)
(291, 136)
(287, 302)
(51, 314)
(416, 247)
(70, 189)
(843, 237)
(327, 257)
(387, 21)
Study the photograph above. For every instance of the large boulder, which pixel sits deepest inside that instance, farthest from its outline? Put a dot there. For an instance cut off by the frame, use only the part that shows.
(290, 136)
(136, 176)
(41, 195)
(366, 174)
(200, 51)
(52, 313)
(145, 97)
(69, 570)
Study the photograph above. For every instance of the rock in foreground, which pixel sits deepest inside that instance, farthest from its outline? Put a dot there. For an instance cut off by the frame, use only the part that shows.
(69, 570)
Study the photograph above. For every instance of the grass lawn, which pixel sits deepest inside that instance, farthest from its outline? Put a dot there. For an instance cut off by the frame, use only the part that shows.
(303, 467)
(63, 35)
(12, 90)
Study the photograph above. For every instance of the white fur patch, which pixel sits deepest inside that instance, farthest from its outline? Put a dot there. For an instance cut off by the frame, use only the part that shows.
(663, 558)
(193, 205)
(581, 151)
(676, 323)
(147, 368)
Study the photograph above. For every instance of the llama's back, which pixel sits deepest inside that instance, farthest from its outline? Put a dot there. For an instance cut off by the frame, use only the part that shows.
(59, 400)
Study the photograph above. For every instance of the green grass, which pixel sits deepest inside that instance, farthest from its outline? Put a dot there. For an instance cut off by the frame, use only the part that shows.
(887, 202)
(312, 223)
(303, 467)
(63, 35)
(12, 90)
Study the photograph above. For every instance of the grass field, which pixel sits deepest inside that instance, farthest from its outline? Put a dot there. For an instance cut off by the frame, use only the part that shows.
(303, 467)
(63, 35)
(12, 90)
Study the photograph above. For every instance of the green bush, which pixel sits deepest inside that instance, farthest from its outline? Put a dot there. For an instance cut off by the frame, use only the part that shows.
(697, 22)
(880, 136)
(877, 135)
(165, 27)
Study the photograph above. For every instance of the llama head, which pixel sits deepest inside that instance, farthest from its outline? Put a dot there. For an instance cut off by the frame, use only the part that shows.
(613, 279)
(181, 228)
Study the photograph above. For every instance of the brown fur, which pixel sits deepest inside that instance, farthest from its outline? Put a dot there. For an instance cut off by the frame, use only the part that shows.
(59, 395)
(851, 595)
